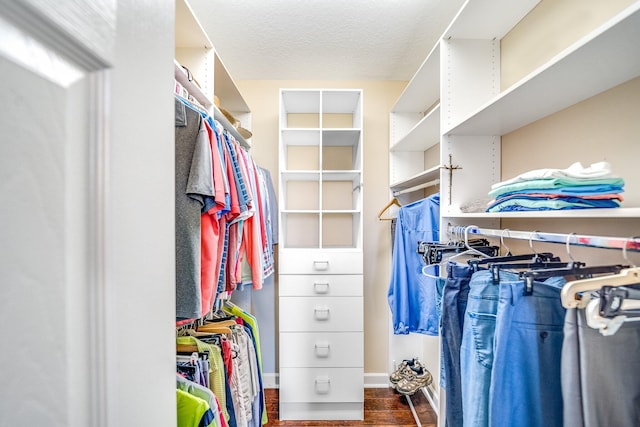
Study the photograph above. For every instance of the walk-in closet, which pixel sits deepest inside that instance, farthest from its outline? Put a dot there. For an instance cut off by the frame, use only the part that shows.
(282, 213)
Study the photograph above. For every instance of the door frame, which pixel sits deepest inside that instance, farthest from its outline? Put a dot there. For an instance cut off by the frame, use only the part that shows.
(39, 22)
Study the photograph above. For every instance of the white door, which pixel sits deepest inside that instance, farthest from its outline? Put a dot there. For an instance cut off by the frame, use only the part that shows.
(51, 210)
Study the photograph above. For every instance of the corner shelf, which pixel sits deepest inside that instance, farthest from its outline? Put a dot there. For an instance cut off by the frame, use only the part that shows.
(421, 178)
(424, 135)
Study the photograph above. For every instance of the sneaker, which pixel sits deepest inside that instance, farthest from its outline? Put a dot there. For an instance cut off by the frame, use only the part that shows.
(410, 385)
(405, 369)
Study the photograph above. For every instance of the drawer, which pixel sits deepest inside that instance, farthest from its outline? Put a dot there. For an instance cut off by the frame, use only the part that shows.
(321, 314)
(321, 384)
(320, 285)
(321, 349)
(320, 262)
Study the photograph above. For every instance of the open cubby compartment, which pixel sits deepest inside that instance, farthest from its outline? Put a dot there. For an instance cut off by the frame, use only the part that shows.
(301, 191)
(341, 230)
(341, 191)
(301, 229)
(300, 149)
(341, 149)
(341, 109)
(300, 109)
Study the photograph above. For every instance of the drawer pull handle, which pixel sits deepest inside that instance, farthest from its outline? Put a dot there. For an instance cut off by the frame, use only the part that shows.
(321, 287)
(322, 350)
(323, 385)
(322, 313)
(321, 265)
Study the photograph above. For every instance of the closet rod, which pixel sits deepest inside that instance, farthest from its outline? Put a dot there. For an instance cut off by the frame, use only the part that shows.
(603, 242)
(417, 187)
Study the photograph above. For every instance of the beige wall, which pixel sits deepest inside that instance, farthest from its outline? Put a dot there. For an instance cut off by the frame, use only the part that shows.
(379, 96)
(549, 28)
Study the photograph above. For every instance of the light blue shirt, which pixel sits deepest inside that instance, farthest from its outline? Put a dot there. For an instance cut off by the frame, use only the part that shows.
(412, 295)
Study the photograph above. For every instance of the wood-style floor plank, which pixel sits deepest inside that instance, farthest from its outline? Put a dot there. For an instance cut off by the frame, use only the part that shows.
(383, 407)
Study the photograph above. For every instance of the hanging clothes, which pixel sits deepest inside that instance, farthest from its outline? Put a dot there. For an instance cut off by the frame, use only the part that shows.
(412, 295)
(192, 184)
(224, 237)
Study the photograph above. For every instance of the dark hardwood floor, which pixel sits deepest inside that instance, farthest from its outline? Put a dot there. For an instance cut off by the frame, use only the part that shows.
(382, 408)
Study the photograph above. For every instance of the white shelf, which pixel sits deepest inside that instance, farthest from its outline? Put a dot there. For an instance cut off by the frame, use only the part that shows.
(301, 101)
(340, 101)
(424, 88)
(341, 175)
(570, 213)
(488, 19)
(603, 59)
(430, 174)
(300, 175)
(424, 135)
(217, 114)
(226, 90)
(340, 137)
(300, 211)
(189, 32)
(301, 136)
(340, 211)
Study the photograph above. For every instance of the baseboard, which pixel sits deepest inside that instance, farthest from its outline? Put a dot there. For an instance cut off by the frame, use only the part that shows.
(376, 380)
(270, 380)
(381, 380)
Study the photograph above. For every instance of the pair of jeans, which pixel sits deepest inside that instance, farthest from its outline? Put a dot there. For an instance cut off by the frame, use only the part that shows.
(525, 383)
(476, 348)
(453, 306)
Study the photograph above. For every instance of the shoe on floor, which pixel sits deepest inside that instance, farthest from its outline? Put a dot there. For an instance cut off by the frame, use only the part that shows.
(410, 384)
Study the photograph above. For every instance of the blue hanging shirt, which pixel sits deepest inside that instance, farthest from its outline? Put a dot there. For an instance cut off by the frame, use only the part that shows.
(412, 295)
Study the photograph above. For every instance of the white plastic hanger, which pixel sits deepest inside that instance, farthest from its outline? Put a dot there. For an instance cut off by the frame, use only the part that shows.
(605, 325)
(571, 290)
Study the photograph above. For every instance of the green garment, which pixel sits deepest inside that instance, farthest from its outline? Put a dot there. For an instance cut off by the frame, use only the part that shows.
(216, 374)
(191, 409)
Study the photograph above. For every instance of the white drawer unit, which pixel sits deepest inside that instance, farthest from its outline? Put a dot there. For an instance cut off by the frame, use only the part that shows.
(320, 262)
(321, 349)
(309, 285)
(321, 339)
(321, 385)
(321, 314)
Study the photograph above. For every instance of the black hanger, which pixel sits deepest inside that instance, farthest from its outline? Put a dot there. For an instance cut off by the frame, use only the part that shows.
(536, 263)
(577, 269)
(544, 256)
(612, 297)
(432, 252)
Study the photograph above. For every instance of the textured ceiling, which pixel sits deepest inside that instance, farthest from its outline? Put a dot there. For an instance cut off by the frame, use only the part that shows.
(324, 39)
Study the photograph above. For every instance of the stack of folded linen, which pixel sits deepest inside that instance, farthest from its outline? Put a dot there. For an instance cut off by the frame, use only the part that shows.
(576, 187)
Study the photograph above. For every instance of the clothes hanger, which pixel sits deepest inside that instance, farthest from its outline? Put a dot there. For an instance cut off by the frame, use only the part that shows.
(509, 257)
(571, 291)
(622, 300)
(472, 250)
(392, 202)
(214, 329)
(219, 322)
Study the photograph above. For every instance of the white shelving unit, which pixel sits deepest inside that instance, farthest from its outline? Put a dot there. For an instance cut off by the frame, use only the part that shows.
(320, 255)
(194, 50)
(459, 83)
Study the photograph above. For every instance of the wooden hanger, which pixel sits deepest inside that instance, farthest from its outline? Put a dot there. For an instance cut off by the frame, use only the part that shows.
(570, 290)
(214, 329)
(186, 348)
(391, 203)
(213, 322)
